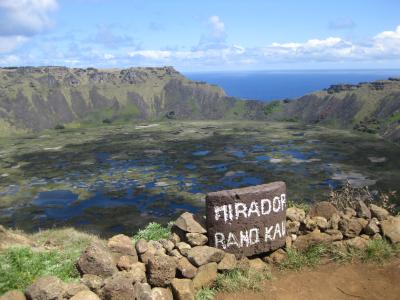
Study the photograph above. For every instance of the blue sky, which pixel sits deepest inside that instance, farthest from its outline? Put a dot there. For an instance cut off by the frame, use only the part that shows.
(201, 35)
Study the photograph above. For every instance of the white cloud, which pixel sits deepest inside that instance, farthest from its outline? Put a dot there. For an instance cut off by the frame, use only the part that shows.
(21, 19)
(218, 27)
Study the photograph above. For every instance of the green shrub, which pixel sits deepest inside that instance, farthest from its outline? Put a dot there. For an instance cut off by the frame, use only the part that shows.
(19, 267)
(205, 294)
(153, 231)
(296, 259)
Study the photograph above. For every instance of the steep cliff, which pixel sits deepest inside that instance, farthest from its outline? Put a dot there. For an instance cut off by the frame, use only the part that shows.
(37, 98)
(369, 107)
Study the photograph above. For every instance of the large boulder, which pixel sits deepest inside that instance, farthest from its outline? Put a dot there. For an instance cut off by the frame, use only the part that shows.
(391, 229)
(188, 223)
(161, 270)
(183, 289)
(379, 212)
(323, 209)
(73, 288)
(206, 276)
(119, 286)
(13, 295)
(97, 260)
(202, 255)
(85, 295)
(46, 288)
(122, 244)
(143, 291)
(350, 227)
(295, 214)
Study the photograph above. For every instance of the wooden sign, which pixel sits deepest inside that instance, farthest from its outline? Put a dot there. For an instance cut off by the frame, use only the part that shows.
(249, 220)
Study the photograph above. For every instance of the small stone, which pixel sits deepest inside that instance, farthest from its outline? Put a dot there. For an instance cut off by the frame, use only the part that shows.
(186, 268)
(323, 209)
(356, 243)
(206, 276)
(292, 226)
(175, 253)
(256, 264)
(350, 212)
(85, 295)
(377, 236)
(228, 263)
(372, 227)
(46, 288)
(119, 286)
(73, 288)
(391, 229)
(202, 255)
(188, 223)
(276, 257)
(183, 289)
(161, 270)
(243, 264)
(167, 244)
(161, 294)
(97, 260)
(196, 239)
(174, 238)
(13, 295)
(334, 222)
(125, 262)
(138, 271)
(143, 291)
(183, 248)
(321, 222)
(93, 282)
(379, 212)
(122, 244)
(141, 246)
(303, 242)
(362, 210)
(295, 214)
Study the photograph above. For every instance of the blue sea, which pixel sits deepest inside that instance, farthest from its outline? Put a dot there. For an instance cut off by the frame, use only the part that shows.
(271, 85)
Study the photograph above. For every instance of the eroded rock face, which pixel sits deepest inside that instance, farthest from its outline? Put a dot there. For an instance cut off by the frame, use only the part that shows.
(46, 288)
(97, 260)
(143, 291)
(202, 255)
(391, 229)
(161, 270)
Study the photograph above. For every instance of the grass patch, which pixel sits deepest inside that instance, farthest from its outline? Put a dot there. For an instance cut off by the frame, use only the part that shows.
(299, 204)
(378, 251)
(238, 280)
(205, 294)
(296, 260)
(153, 231)
(19, 267)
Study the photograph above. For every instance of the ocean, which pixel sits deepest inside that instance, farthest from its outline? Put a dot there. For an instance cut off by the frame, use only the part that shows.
(272, 85)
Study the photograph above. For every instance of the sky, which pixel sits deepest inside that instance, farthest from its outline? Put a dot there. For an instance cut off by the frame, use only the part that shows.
(206, 35)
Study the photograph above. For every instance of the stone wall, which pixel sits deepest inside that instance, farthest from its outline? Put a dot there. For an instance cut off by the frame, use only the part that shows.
(177, 267)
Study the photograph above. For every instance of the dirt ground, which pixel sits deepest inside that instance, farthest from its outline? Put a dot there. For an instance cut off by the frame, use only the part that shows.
(330, 281)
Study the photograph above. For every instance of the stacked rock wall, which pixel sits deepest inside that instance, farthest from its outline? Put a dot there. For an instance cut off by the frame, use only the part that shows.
(177, 267)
